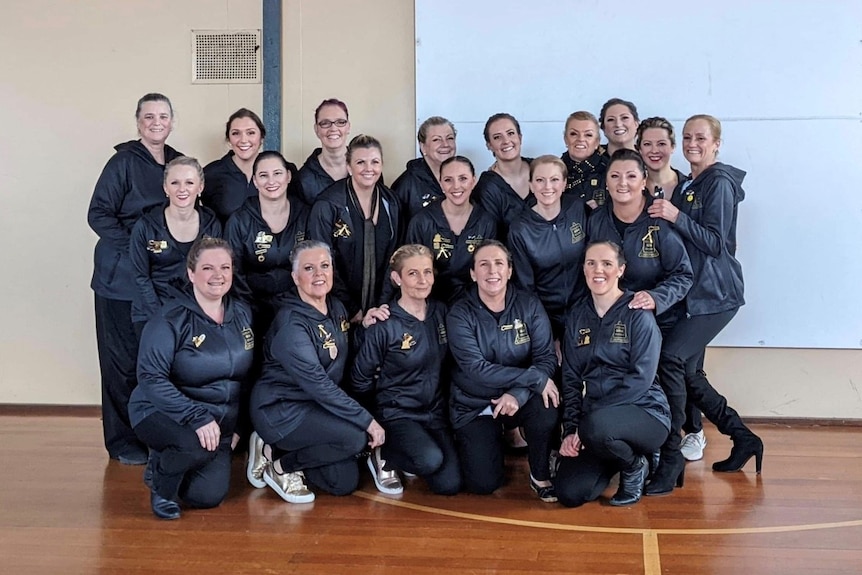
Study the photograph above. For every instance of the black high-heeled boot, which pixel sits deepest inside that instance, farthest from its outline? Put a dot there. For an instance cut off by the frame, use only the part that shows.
(654, 460)
(631, 483)
(670, 473)
(744, 448)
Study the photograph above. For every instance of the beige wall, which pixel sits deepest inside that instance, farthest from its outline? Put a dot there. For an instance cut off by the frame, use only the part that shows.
(72, 73)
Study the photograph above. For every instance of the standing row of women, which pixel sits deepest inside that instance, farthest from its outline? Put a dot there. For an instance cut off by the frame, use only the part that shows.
(501, 338)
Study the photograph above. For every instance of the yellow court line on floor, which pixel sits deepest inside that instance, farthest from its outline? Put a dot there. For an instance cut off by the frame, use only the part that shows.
(652, 557)
(596, 529)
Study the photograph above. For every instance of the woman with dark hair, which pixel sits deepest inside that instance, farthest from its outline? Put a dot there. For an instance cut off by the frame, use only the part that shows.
(309, 428)
(161, 239)
(619, 121)
(706, 220)
(452, 229)
(328, 163)
(419, 185)
(398, 370)
(614, 412)
(503, 189)
(359, 218)
(229, 179)
(194, 356)
(501, 341)
(585, 159)
(130, 184)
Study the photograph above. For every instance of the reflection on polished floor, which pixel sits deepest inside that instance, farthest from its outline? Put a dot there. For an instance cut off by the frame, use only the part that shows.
(64, 508)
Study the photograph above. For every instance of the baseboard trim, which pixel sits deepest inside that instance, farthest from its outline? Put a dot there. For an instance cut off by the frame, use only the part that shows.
(804, 421)
(39, 410)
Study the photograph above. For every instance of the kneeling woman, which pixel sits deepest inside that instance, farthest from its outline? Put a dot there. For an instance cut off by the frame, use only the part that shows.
(398, 369)
(193, 357)
(311, 428)
(613, 351)
(500, 338)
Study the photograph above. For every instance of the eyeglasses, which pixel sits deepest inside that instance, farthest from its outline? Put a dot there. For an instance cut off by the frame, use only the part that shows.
(326, 124)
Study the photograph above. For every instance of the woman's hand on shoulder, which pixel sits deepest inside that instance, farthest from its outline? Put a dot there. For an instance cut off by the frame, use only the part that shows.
(506, 404)
(571, 446)
(376, 435)
(642, 300)
(551, 395)
(376, 314)
(209, 435)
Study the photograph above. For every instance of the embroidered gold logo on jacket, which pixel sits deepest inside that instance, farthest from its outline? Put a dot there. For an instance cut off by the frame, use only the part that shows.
(442, 247)
(345, 325)
(522, 336)
(620, 334)
(473, 242)
(577, 232)
(442, 336)
(583, 337)
(407, 341)
(341, 229)
(262, 243)
(328, 341)
(198, 339)
(648, 243)
(157, 246)
(248, 339)
(600, 195)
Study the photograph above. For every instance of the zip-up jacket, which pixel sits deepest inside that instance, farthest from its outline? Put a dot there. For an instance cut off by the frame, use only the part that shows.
(656, 260)
(416, 188)
(226, 187)
(512, 353)
(336, 221)
(453, 254)
(190, 368)
(158, 259)
(500, 200)
(399, 364)
(548, 257)
(304, 359)
(707, 224)
(615, 358)
(313, 179)
(586, 179)
(131, 183)
(262, 258)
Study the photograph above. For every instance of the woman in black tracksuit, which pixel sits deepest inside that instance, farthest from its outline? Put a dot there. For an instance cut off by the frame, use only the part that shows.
(548, 242)
(707, 223)
(452, 229)
(419, 185)
(614, 412)
(326, 164)
(163, 236)
(500, 338)
(398, 371)
(194, 355)
(585, 159)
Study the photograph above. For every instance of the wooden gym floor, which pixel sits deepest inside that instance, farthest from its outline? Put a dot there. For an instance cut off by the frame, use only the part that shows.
(65, 508)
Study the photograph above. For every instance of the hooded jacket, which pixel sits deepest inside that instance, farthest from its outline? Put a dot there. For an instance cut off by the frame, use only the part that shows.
(707, 223)
(158, 259)
(453, 254)
(262, 258)
(548, 257)
(656, 260)
(500, 200)
(615, 358)
(336, 221)
(312, 178)
(586, 179)
(131, 183)
(190, 368)
(512, 353)
(399, 364)
(416, 188)
(304, 359)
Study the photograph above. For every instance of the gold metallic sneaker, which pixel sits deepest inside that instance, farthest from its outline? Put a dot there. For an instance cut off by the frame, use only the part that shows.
(386, 481)
(289, 486)
(256, 461)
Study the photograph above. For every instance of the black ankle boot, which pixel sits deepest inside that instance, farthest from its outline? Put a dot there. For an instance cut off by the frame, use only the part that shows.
(631, 483)
(670, 473)
(654, 460)
(744, 448)
(164, 508)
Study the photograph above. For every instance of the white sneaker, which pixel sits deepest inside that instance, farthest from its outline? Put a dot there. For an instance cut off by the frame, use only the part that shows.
(386, 481)
(692, 446)
(289, 486)
(257, 462)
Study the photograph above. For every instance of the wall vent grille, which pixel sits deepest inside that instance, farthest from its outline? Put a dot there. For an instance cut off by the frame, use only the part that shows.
(226, 57)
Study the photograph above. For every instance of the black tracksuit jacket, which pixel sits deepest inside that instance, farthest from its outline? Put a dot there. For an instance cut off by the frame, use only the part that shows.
(416, 188)
(225, 187)
(312, 178)
(586, 179)
(500, 200)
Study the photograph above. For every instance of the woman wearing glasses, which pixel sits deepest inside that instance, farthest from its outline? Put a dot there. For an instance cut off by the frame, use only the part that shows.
(327, 163)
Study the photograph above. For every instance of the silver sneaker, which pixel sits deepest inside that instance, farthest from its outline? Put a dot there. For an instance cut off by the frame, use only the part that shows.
(386, 481)
(256, 461)
(692, 446)
(289, 486)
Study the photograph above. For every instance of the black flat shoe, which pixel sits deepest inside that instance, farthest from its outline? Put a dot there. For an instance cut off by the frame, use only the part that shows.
(164, 508)
(744, 448)
(547, 494)
(631, 483)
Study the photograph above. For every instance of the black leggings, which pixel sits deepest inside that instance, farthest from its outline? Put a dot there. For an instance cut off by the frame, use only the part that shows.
(613, 437)
(181, 467)
(426, 450)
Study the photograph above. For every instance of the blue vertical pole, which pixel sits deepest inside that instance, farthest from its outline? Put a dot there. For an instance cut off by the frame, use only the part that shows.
(271, 39)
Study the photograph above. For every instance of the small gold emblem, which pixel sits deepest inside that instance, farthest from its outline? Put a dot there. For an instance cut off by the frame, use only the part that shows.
(583, 337)
(442, 247)
(342, 230)
(522, 336)
(442, 336)
(648, 244)
(577, 232)
(407, 341)
(262, 243)
(328, 341)
(157, 246)
(248, 338)
(198, 339)
(620, 334)
(472, 242)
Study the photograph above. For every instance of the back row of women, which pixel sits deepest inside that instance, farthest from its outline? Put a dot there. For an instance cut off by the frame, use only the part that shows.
(624, 270)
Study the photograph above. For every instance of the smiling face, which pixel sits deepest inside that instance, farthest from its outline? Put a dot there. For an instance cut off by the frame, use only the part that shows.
(491, 270)
(271, 179)
(620, 126)
(365, 167)
(457, 181)
(504, 141)
(416, 277)
(625, 182)
(581, 138)
(656, 148)
(332, 127)
(183, 185)
(699, 145)
(155, 122)
(244, 138)
(439, 144)
(602, 269)
(313, 275)
(547, 184)
(213, 274)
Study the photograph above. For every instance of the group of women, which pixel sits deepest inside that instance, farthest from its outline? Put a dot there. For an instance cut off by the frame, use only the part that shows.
(321, 315)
